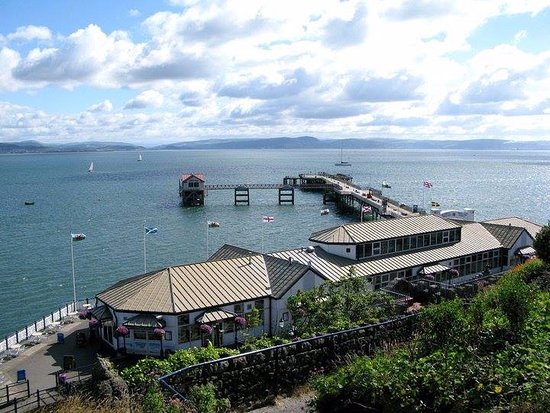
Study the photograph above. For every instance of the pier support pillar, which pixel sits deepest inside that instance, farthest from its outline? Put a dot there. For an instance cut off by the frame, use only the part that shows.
(242, 196)
(286, 195)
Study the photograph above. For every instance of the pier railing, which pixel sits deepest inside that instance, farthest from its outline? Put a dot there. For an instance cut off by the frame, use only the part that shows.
(26, 332)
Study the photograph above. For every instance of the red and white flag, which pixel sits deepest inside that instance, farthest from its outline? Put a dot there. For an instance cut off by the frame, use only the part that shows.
(427, 184)
(266, 218)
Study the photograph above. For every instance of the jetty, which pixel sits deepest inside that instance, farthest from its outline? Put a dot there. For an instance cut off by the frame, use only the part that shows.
(336, 188)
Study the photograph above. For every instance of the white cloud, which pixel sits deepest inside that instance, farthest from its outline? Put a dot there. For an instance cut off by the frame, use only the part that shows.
(347, 67)
(105, 106)
(519, 36)
(149, 98)
(28, 33)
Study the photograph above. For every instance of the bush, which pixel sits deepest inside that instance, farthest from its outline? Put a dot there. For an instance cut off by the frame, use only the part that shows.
(153, 401)
(204, 399)
(542, 244)
(443, 324)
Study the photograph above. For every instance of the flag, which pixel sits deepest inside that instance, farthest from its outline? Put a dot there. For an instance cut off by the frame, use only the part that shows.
(435, 204)
(151, 230)
(266, 218)
(427, 184)
(366, 208)
(78, 237)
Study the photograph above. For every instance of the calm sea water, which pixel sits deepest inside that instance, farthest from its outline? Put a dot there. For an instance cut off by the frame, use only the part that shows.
(111, 204)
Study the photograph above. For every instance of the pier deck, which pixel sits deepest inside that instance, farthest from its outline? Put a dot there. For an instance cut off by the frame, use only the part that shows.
(337, 187)
(382, 205)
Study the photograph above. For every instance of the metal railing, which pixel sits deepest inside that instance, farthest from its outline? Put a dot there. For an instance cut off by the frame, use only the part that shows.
(26, 332)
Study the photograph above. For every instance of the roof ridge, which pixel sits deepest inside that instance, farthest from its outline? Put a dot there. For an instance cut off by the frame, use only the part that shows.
(172, 301)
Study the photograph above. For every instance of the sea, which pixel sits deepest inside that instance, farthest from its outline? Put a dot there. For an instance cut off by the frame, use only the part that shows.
(112, 204)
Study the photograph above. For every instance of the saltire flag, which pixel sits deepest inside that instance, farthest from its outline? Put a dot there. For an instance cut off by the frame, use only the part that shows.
(427, 184)
(435, 204)
(78, 237)
(366, 208)
(151, 230)
(266, 218)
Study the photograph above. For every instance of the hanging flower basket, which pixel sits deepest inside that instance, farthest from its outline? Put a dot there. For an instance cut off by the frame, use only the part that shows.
(122, 331)
(240, 321)
(205, 328)
(82, 314)
(94, 323)
(453, 272)
(159, 332)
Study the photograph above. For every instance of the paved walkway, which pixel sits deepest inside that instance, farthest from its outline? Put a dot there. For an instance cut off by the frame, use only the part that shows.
(44, 359)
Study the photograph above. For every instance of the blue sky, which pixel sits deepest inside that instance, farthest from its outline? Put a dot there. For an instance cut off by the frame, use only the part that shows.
(151, 72)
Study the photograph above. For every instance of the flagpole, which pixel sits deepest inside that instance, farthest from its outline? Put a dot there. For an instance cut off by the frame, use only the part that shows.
(207, 239)
(144, 249)
(72, 261)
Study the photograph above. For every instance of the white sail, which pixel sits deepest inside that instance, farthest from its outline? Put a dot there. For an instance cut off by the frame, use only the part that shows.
(91, 168)
(140, 158)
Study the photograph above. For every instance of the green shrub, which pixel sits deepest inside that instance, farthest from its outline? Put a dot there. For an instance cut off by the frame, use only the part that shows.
(443, 324)
(153, 401)
(204, 398)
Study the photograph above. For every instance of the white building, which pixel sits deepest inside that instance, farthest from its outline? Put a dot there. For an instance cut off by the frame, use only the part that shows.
(183, 298)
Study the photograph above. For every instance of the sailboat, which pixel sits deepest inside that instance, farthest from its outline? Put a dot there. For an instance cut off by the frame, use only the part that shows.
(91, 168)
(386, 184)
(342, 162)
(140, 158)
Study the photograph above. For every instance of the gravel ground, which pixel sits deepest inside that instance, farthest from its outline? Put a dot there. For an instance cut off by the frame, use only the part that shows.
(297, 403)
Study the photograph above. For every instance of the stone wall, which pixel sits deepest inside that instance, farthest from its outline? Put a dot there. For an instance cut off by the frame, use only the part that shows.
(249, 377)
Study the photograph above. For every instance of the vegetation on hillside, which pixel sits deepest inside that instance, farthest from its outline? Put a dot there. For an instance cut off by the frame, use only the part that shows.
(490, 354)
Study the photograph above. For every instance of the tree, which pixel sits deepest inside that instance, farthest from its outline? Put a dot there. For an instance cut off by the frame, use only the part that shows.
(542, 244)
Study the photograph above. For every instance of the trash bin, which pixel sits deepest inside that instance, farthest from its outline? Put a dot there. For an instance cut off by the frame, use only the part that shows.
(60, 338)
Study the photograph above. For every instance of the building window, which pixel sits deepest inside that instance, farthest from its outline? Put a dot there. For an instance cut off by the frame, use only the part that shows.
(445, 236)
(259, 305)
(238, 308)
(348, 250)
(391, 246)
(140, 334)
(375, 248)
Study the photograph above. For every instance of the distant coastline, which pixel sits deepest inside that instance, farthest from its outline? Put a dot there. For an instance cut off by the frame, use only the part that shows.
(302, 142)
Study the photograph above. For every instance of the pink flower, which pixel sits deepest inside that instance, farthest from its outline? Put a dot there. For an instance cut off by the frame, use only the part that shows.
(241, 321)
(206, 328)
(159, 332)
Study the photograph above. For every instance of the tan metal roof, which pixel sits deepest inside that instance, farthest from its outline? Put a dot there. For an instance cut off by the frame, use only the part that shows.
(432, 269)
(144, 321)
(191, 287)
(282, 273)
(531, 227)
(379, 230)
(506, 234)
(213, 316)
(475, 239)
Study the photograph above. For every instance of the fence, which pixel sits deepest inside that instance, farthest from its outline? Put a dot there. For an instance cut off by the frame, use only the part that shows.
(57, 315)
(30, 402)
(252, 376)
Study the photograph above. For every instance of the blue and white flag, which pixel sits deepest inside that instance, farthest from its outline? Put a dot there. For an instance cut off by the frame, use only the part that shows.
(151, 230)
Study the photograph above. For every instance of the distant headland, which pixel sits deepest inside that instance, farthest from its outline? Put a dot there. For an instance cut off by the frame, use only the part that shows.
(302, 142)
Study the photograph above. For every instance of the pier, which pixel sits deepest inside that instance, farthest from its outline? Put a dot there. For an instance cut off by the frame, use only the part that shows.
(336, 188)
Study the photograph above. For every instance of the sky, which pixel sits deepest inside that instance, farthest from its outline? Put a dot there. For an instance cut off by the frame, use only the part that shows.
(154, 72)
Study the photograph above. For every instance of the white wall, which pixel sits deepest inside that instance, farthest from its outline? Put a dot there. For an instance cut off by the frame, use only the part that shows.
(339, 250)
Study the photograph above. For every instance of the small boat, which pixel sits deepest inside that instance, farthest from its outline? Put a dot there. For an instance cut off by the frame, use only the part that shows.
(386, 185)
(140, 158)
(29, 202)
(213, 224)
(325, 211)
(91, 168)
(342, 162)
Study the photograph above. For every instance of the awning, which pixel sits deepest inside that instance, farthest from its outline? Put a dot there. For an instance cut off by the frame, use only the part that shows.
(433, 269)
(527, 251)
(101, 313)
(145, 321)
(213, 316)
